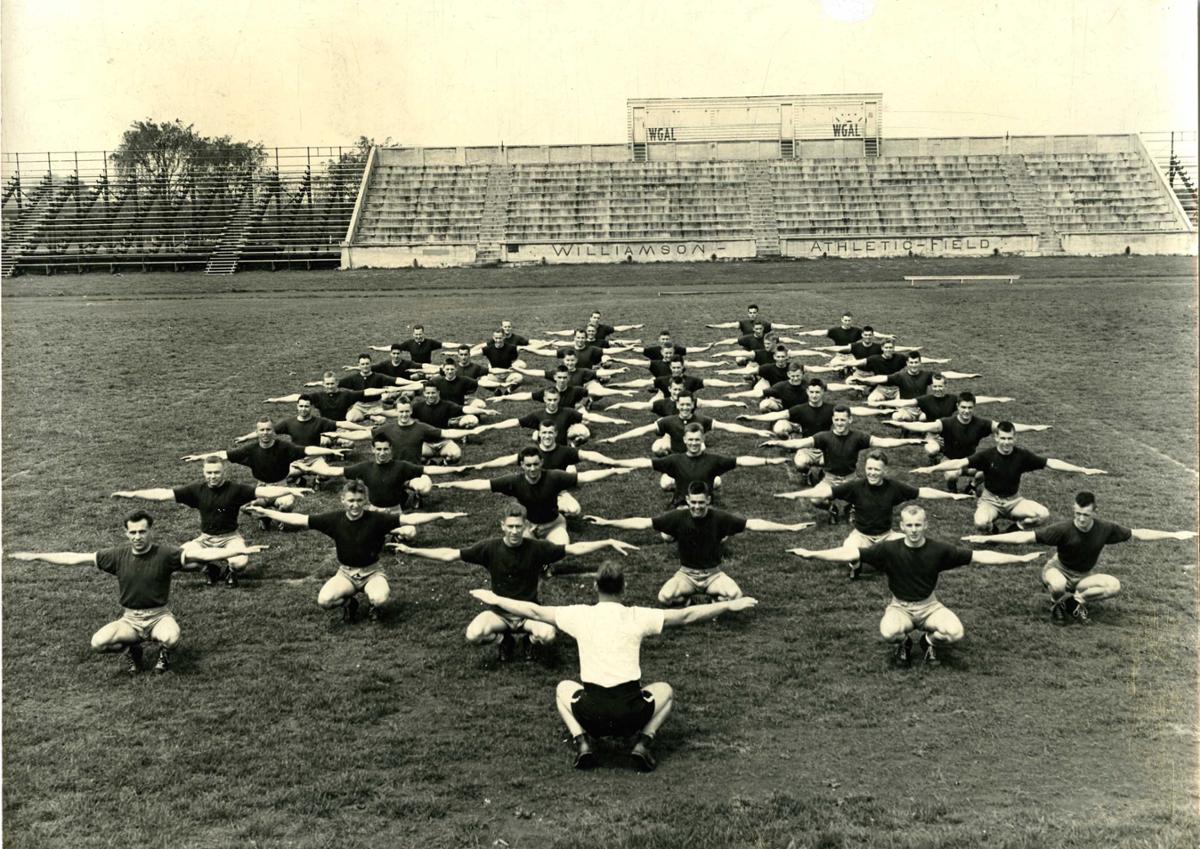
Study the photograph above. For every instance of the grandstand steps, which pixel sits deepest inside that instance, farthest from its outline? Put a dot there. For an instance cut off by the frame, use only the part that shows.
(1031, 204)
(248, 212)
(763, 215)
(26, 232)
(494, 221)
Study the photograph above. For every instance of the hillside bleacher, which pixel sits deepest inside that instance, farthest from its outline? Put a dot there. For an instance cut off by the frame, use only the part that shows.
(78, 215)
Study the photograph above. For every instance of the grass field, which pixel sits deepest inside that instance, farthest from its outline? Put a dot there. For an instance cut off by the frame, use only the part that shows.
(279, 726)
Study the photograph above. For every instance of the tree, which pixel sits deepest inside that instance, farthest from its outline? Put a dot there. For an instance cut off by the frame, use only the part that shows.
(170, 152)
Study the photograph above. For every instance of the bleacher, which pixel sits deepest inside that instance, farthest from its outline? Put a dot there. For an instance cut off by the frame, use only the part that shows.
(894, 195)
(434, 204)
(76, 214)
(627, 201)
(1098, 192)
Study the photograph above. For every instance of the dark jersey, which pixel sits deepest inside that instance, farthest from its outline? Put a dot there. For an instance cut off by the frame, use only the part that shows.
(699, 540)
(407, 442)
(772, 373)
(385, 481)
(812, 420)
(1002, 472)
(473, 371)
(586, 357)
(660, 368)
(563, 418)
(400, 369)
(143, 580)
(879, 364)
(873, 505)
(752, 343)
(861, 350)
(674, 426)
(334, 405)
(912, 573)
(841, 452)
(960, 440)
(844, 335)
(558, 458)
(268, 465)
(691, 384)
(911, 385)
(578, 377)
(358, 542)
(502, 356)
(516, 340)
(218, 507)
(515, 570)
(746, 326)
(436, 415)
(540, 499)
(358, 383)
(663, 407)
(307, 432)
(420, 352)
(572, 396)
(654, 352)
(603, 331)
(454, 391)
(1079, 551)
(936, 408)
(789, 394)
(685, 469)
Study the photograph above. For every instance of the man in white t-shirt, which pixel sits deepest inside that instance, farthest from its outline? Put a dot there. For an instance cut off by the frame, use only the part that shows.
(611, 701)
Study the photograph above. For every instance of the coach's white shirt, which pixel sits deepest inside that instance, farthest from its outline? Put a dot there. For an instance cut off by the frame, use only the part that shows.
(610, 639)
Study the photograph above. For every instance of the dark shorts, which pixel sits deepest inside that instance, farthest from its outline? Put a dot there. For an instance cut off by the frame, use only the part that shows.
(619, 711)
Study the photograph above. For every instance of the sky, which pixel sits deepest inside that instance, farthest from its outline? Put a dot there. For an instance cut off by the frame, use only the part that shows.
(318, 72)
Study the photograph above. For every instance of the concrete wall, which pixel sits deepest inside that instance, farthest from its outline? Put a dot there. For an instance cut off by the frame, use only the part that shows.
(884, 246)
(1109, 244)
(402, 256)
(755, 150)
(611, 252)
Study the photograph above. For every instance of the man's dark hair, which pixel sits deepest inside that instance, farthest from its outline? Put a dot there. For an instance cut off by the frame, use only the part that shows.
(878, 455)
(914, 355)
(396, 346)
(380, 438)
(868, 328)
(816, 381)
(1005, 427)
(842, 408)
(354, 488)
(694, 427)
(548, 423)
(610, 578)
(1084, 498)
(140, 516)
(306, 397)
(937, 375)
(698, 488)
(527, 452)
(967, 396)
(752, 306)
(363, 357)
(418, 327)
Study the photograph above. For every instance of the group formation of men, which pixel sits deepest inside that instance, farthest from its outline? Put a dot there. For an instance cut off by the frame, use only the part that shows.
(416, 415)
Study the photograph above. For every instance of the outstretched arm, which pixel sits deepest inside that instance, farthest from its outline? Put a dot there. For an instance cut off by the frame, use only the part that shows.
(802, 442)
(894, 441)
(776, 416)
(284, 399)
(634, 523)
(944, 466)
(596, 418)
(917, 427)
(192, 458)
(765, 525)
(630, 434)
(1029, 428)
(471, 485)
(1147, 535)
(704, 612)
(210, 555)
(527, 609)
(597, 457)
(736, 428)
(58, 558)
(155, 494)
(1010, 538)
(273, 491)
(841, 554)
(749, 460)
(930, 494)
(296, 520)
(1064, 466)
(820, 491)
(600, 474)
(576, 549)
(445, 555)
(996, 558)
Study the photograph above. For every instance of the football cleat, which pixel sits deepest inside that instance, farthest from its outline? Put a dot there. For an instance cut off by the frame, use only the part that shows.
(133, 658)
(904, 652)
(163, 663)
(585, 752)
(1081, 613)
(928, 653)
(505, 650)
(643, 758)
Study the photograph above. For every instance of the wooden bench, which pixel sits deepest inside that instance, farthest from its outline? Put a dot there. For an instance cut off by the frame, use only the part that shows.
(961, 278)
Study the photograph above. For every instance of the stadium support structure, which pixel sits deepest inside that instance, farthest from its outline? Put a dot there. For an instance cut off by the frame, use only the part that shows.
(712, 201)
